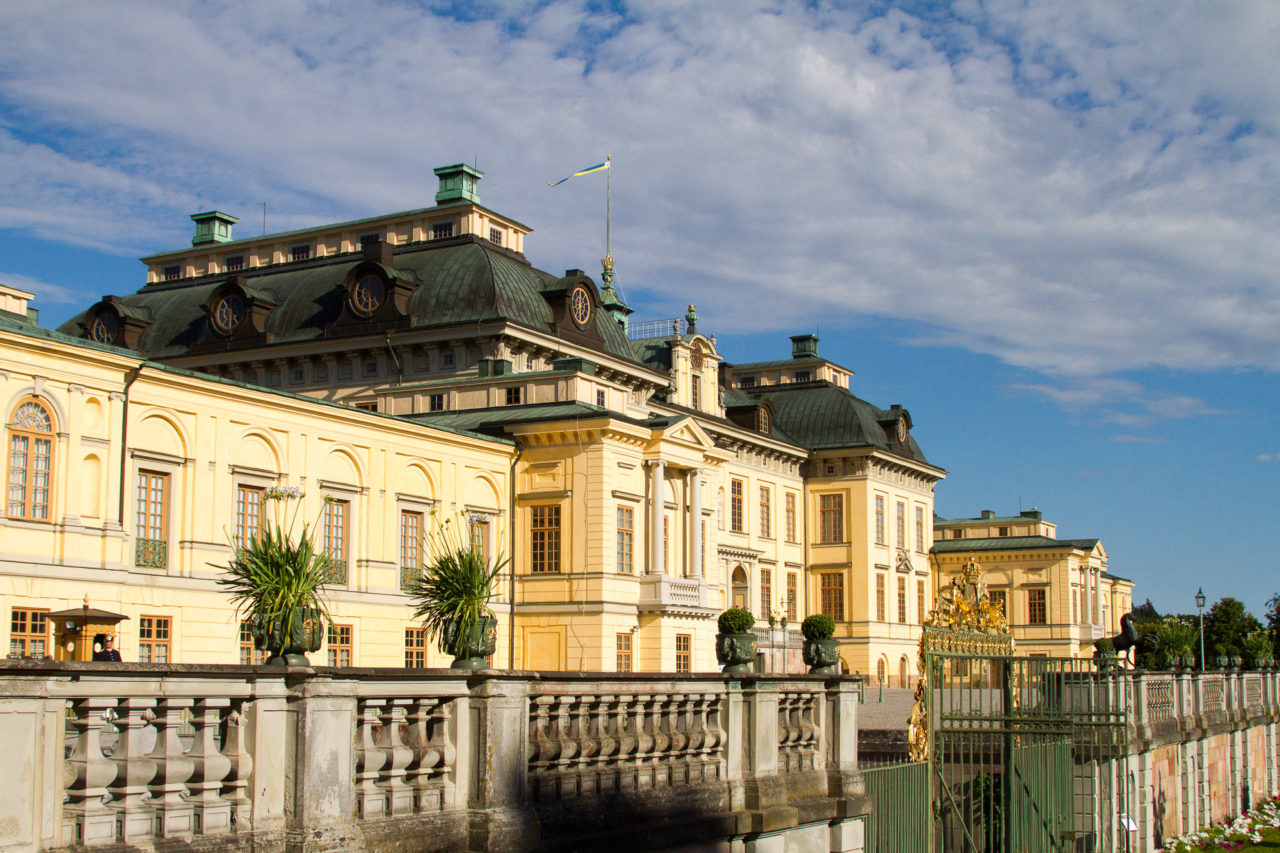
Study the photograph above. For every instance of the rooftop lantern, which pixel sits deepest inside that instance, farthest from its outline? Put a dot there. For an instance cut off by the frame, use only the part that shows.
(212, 226)
(457, 183)
(804, 346)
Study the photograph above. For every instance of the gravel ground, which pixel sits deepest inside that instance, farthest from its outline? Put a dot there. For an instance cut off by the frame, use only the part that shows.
(891, 713)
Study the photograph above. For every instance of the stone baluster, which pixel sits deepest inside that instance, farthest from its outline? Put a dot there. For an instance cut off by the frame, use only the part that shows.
(235, 785)
(175, 816)
(584, 733)
(134, 770)
(209, 766)
(606, 735)
(370, 758)
(396, 757)
(90, 821)
(425, 757)
(434, 783)
(644, 741)
(543, 747)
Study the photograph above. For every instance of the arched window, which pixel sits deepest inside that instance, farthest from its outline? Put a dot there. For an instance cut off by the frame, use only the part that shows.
(741, 593)
(30, 461)
(904, 671)
(882, 670)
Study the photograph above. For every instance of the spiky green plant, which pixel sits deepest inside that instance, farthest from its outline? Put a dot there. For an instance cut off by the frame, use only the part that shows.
(275, 577)
(451, 593)
(1176, 637)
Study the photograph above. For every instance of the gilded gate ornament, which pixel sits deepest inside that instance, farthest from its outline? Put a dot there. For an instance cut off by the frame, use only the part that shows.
(963, 621)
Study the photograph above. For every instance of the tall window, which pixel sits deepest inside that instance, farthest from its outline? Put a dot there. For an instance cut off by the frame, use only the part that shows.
(1037, 611)
(920, 600)
(153, 639)
(695, 390)
(666, 540)
(766, 593)
(832, 597)
(249, 656)
(28, 632)
(766, 512)
(881, 594)
(624, 651)
(793, 584)
(544, 539)
(831, 515)
(248, 514)
(790, 516)
(478, 530)
(30, 461)
(333, 521)
(410, 546)
(339, 643)
(735, 506)
(151, 545)
(920, 543)
(880, 540)
(900, 518)
(902, 600)
(684, 653)
(415, 648)
(626, 541)
(513, 396)
(997, 599)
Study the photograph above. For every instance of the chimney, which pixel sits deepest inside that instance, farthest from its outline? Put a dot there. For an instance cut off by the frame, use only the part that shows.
(212, 226)
(457, 183)
(804, 346)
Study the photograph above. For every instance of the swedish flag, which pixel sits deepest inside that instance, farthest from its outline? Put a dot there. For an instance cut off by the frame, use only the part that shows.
(596, 168)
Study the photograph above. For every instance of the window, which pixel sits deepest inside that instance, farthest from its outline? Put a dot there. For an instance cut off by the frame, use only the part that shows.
(920, 543)
(793, 583)
(435, 403)
(684, 656)
(695, 391)
(333, 524)
(624, 652)
(28, 632)
(880, 540)
(441, 230)
(831, 515)
(513, 396)
(900, 521)
(410, 546)
(339, 642)
(881, 593)
(766, 512)
(790, 516)
(299, 253)
(151, 544)
(446, 360)
(369, 239)
(920, 601)
(248, 514)
(234, 263)
(478, 528)
(735, 506)
(249, 656)
(544, 539)
(902, 601)
(415, 648)
(882, 670)
(528, 362)
(802, 376)
(766, 593)
(30, 461)
(957, 534)
(997, 599)
(626, 540)
(747, 382)
(297, 376)
(833, 595)
(172, 273)
(495, 236)
(764, 422)
(367, 407)
(371, 369)
(666, 539)
(153, 639)
(600, 399)
(1037, 612)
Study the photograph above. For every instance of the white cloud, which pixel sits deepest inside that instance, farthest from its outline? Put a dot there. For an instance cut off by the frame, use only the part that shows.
(46, 292)
(1080, 189)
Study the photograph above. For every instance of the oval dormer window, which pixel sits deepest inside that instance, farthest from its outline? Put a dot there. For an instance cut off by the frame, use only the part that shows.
(367, 295)
(228, 313)
(105, 328)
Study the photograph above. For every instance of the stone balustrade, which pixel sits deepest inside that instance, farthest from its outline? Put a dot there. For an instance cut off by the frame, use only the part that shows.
(230, 757)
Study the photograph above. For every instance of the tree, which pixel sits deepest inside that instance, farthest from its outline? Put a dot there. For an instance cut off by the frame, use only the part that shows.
(1273, 619)
(1227, 623)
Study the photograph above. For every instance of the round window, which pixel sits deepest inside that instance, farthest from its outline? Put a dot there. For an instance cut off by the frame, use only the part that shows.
(228, 313)
(366, 296)
(105, 328)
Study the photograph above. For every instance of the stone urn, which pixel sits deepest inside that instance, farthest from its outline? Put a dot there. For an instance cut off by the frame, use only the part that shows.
(1237, 662)
(737, 652)
(821, 656)
(289, 645)
(1221, 662)
(477, 646)
(1188, 662)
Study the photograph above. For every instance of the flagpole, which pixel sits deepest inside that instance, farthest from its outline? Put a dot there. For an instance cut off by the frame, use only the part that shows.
(608, 204)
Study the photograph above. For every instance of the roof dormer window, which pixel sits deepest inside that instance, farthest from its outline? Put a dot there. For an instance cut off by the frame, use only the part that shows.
(172, 272)
(300, 253)
(441, 230)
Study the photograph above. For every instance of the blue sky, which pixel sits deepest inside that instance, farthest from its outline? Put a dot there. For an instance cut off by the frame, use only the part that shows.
(1048, 229)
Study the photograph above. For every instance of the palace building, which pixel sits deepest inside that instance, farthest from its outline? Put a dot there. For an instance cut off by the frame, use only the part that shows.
(415, 366)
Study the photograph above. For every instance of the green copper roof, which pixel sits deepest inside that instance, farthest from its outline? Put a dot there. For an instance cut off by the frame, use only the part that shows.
(1011, 543)
(496, 418)
(466, 280)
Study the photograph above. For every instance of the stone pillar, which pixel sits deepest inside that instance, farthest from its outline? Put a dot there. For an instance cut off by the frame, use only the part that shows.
(322, 814)
(695, 524)
(32, 738)
(499, 716)
(265, 726)
(657, 554)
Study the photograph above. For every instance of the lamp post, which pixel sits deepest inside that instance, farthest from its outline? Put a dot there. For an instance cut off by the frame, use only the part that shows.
(1200, 599)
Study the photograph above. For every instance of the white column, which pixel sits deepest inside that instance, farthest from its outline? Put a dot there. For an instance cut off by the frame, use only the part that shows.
(695, 522)
(1097, 596)
(657, 555)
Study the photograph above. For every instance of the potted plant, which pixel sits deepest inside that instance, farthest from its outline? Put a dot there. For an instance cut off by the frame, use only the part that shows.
(1176, 640)
(821, 650)
(1220, 659)
(1104, 652)
(1257, 645)
(735, 644)
(451, 595)
(277, 583)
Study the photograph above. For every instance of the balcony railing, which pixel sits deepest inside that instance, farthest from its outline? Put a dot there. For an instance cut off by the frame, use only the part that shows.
(151, 553)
